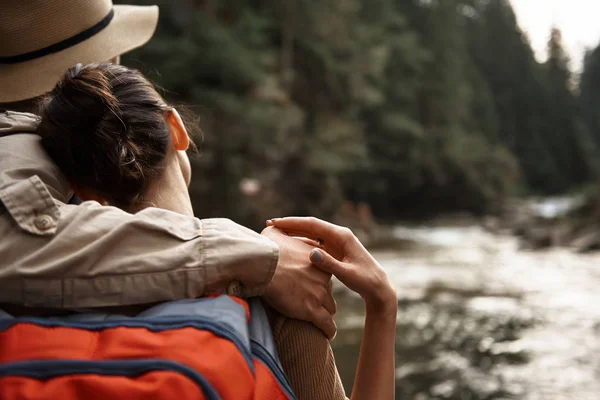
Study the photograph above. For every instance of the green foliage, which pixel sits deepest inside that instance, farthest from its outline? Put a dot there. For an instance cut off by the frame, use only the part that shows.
(538, 117)
(407, 105)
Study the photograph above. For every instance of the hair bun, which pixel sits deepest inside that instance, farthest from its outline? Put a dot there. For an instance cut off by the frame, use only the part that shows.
(87, 91)
(104, 126)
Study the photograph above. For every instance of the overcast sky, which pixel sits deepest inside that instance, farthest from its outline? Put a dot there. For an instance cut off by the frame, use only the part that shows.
(579, 21)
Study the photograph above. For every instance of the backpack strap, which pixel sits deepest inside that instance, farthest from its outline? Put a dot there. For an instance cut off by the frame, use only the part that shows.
(267, 364)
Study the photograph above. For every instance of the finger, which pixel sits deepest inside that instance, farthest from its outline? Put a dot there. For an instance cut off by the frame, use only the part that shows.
(271, 230)
(329, 303)
(324, 321)
(336, 252)
(311, 225)
(310, 242)
(325, 262)
(313, 228)
(296, 233)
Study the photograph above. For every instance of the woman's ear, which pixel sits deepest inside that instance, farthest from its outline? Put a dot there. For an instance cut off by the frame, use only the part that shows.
(181, 140)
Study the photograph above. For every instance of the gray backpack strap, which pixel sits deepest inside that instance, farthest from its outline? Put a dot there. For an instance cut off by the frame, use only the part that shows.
(262, 343)
(260, 329)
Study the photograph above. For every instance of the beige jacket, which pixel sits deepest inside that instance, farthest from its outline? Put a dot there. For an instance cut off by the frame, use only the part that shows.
(59, 255)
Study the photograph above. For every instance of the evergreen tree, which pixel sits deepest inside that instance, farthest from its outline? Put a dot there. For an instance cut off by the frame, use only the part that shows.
(522, 90)
(456, 162)
(567, 136)
(589, 87)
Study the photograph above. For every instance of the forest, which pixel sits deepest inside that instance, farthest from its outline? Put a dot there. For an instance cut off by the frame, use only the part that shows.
(407, 107)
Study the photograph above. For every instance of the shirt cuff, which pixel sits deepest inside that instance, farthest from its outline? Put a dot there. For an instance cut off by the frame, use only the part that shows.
(259, 289)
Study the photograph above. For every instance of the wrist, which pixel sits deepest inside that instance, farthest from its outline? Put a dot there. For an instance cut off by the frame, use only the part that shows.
(266, 284)
(384, 302)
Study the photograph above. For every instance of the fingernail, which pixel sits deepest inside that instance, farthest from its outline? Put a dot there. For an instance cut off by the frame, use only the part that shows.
(316, 256)
(269, 222)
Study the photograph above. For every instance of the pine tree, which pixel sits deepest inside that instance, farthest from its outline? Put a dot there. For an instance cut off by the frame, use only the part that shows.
(567, 136)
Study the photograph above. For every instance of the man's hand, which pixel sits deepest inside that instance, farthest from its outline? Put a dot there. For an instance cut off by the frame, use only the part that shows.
(299, 289)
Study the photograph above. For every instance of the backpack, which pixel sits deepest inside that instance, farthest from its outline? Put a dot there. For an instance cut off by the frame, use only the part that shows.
(209, 348)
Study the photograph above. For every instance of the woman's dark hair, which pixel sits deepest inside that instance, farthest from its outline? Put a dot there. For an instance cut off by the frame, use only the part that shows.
(104, 126)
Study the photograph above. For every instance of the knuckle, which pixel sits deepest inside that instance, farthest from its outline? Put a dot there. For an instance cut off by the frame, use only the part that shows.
(325, 279)
(324, 326)
(312, 303)
(346, 232)
(268, 230)
(307, 312)
(322, 294)
(326, 319)
(347, 235)
(316, 302)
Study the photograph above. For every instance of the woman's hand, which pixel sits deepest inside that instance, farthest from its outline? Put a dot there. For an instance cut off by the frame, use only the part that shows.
(346, 258)
(337, 251)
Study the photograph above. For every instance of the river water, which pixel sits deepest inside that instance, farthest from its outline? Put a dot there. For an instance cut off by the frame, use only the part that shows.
(480, 319)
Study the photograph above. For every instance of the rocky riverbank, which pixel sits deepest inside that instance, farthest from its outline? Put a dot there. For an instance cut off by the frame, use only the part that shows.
(568, 221)
(539, 223)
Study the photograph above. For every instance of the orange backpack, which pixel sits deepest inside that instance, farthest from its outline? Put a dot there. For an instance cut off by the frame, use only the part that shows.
(209, 348)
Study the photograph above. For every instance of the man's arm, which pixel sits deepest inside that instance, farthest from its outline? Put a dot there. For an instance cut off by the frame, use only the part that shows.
(95, 256)
(54, 254)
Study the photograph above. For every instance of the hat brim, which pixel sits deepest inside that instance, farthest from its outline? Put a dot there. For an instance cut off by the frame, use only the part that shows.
(131, 27)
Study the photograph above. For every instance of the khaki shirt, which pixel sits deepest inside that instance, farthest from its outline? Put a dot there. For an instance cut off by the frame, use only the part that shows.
(59, 255)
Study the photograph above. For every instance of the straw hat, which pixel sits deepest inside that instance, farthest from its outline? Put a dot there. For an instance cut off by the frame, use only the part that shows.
(41, 39)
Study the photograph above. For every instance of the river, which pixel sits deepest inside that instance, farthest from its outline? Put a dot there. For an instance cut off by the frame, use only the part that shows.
(478, 318)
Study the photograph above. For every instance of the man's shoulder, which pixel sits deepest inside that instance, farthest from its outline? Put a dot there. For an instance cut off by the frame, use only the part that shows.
(30, 183)
(15, 122)
(22, 156)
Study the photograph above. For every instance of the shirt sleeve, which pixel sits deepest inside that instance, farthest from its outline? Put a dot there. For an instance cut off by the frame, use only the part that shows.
(307, 358)
(65, 256)
(59, 255)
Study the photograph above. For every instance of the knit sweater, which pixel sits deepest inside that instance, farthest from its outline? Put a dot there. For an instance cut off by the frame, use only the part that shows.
(307, 358)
